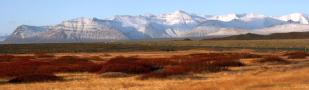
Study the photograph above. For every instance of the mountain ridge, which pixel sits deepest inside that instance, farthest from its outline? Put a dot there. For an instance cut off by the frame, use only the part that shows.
(178, 24)
(252, 36)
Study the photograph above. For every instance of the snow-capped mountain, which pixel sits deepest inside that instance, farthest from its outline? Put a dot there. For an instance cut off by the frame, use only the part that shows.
(283, 29)
(3, 37)
(296, 18)
(178, 24)
(243, 21)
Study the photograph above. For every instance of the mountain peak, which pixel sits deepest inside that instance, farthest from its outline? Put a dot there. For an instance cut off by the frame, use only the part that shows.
(225, 18)
(177, 17)
(81, 19)
(180, 12)
(253, 15)
(296, 17)
(297, 14)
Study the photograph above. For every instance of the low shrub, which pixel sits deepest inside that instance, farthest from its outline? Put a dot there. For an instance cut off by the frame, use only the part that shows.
(296, 55)
(29, 78)
(272, 59)
(167, 72)
(9, 58)
(212, 62)
(130, 65)
(114, 74)
(6, 58)
(70, 64)
(63, 64)
(20, 67)
(94, 58)
(106, 55)
(195, 63)
(249, 55)
(69, 60)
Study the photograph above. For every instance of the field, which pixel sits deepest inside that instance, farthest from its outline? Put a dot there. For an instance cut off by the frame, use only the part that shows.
(157, 65)
(157, 45)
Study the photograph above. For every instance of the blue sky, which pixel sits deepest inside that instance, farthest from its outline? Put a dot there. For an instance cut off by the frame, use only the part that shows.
(49, 12)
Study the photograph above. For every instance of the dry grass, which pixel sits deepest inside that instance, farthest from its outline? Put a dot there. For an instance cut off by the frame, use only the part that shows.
(212, 71)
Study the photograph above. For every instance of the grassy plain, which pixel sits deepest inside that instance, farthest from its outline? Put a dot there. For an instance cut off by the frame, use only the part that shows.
(253, 75)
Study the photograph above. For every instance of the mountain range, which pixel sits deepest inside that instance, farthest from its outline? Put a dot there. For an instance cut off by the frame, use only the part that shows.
(3, 37)
(251, 36)
(178, 24)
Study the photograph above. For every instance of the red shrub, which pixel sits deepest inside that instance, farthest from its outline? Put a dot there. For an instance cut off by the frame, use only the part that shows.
(130, 65)
(156, 67)
(272, 59)
(106, 55)
(63, 64)
(35, 78)
(8, 58)
(4, 58)
(167, 71)
(70, 64)
(126, 68)
(20, 67)
(296, 55)
(157, 62)
(210, 62)
(249, 55)
(69, 60)
(24, 58)
(94, 58)
(54, 68)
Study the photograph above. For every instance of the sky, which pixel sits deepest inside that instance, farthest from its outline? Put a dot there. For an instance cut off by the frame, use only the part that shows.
(50, 12)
